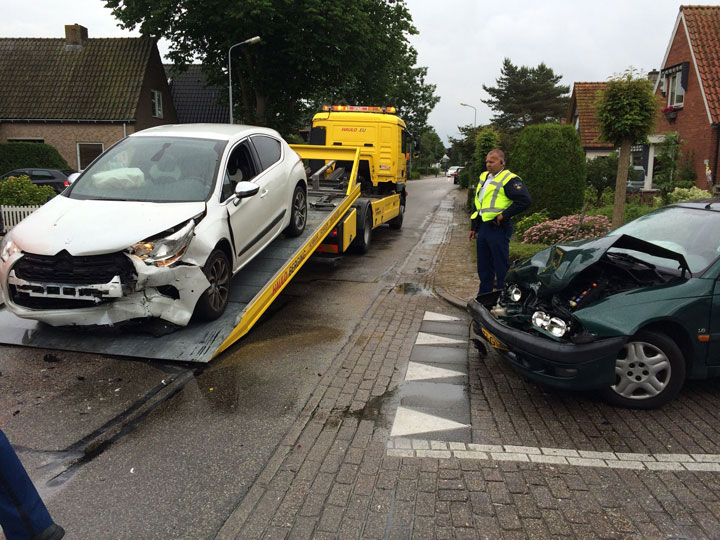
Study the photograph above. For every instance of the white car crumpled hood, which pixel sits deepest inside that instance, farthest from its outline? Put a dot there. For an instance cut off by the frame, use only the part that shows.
(93, 227)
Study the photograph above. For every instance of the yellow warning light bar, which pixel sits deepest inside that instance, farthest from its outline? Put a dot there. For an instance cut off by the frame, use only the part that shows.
(358, 108)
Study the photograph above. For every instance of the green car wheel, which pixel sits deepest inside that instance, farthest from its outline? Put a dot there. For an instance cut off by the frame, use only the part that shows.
(649, 372)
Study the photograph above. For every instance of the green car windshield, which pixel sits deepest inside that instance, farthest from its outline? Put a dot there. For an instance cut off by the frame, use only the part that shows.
(692, 232)
(153, 169)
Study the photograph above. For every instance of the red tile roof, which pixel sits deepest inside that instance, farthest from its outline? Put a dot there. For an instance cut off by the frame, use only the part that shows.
(44, 80)
(584, 96)
(703, 26)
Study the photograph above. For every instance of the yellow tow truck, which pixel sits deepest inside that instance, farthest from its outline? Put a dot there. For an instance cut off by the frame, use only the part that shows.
(384, 143)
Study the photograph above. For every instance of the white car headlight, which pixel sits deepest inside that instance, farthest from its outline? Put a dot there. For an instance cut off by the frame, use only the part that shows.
(556, 326)
(8, 248)
(167, 250)
(514, 293)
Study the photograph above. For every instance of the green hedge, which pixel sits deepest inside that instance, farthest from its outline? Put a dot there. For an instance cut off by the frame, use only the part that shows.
(550, 160)
(20, 155)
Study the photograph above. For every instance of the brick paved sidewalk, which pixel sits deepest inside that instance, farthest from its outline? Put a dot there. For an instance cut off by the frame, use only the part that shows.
(334, 477)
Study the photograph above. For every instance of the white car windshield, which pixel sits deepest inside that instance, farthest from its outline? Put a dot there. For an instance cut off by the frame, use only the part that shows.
(692, 232)
(156, 169)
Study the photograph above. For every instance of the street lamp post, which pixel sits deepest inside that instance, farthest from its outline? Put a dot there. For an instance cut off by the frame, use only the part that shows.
(475, 113)
(250, 41)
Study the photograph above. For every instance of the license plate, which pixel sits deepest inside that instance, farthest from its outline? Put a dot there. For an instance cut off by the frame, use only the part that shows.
(493, 341)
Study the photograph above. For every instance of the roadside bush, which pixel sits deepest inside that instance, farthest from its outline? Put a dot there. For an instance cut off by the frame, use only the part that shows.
(550, 160)
(464, 178)
(519, 251)
(684, 194)
(632, 211)
(563, 230)
(525, 223)
(414, 175)
(20, 191)
(18, 155)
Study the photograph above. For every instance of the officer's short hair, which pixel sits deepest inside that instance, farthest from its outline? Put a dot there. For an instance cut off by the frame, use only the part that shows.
(499, 153)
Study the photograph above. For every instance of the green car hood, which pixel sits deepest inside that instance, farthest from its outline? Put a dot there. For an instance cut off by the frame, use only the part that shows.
(557, 265)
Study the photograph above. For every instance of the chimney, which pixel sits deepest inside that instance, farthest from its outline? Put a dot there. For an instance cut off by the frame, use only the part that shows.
(75, 37)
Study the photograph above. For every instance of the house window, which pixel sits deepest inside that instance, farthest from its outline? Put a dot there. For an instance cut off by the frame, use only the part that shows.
(675, 91)
(87, 152)
(157, 109)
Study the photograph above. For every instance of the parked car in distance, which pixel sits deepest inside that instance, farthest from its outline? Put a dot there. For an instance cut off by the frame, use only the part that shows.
(632, 314)
(55, 178)
(456, 175)
(636, 180)
(155, 227)
(451, 171)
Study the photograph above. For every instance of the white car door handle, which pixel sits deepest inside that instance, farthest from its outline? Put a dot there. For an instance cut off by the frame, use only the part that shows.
(263, 193)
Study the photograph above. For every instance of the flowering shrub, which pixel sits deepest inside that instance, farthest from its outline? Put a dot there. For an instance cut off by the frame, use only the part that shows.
(525, 223)
(563, 230)
(20, 191)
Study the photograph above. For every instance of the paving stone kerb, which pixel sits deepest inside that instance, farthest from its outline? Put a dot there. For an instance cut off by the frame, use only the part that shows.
(332, 476)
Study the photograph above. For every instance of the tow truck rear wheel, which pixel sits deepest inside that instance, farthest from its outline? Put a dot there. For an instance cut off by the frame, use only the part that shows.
(214, 300)
(361, 244)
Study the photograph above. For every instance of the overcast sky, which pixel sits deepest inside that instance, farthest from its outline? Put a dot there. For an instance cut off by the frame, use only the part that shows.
(462, 42)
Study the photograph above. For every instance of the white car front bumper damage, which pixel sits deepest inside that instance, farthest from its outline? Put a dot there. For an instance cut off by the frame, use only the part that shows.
(116, 302)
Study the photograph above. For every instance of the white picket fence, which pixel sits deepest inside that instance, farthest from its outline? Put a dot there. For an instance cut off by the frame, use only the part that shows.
(12, 215)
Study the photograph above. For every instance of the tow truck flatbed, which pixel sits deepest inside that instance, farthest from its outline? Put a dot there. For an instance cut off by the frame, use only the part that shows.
(253, 290)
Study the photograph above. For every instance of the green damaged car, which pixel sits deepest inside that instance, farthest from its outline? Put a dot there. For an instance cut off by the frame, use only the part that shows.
(632, 314)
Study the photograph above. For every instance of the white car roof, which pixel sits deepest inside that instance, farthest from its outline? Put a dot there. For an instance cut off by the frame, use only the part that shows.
(224, 132)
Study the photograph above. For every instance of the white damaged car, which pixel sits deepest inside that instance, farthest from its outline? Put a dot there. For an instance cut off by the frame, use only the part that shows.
(155, 227)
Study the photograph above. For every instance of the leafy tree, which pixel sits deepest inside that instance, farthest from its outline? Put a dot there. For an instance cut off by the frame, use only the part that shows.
(602, 174)
(461, 150)
(626, 112)
(431, 147)
(550, 160)
(312, 52)
(526, 95)
(668, 166)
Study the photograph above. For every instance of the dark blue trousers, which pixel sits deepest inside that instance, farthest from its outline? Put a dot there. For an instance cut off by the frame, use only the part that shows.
(22, 512)
(493, 254)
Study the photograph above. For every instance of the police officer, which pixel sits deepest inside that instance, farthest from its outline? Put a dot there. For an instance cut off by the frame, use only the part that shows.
(499, 195)
(23, 515)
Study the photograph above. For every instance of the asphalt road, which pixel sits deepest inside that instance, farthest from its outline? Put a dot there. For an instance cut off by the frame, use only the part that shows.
(125, 449)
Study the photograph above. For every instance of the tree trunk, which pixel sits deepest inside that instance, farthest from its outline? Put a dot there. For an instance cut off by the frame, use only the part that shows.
(621, 185)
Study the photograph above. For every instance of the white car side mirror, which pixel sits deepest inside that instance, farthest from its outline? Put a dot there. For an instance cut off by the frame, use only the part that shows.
(73, 177)
(246, 189)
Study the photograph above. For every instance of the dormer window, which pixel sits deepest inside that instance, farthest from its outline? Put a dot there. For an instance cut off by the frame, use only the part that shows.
(673, 84)
(157, 108)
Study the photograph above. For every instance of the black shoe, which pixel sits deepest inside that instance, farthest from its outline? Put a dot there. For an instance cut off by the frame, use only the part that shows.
(53, 532)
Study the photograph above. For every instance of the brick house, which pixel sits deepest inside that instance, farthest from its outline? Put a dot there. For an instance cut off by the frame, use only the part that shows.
(81, 95)
(582, 115)
(689, 89)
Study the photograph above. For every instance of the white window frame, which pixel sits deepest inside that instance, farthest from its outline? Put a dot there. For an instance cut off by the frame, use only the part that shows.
(675, 91)
(156, 103)
(77, 151)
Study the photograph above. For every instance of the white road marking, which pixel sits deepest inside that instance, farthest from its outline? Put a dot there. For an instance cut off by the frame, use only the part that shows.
(408, 447)
(430, 316)
(421, 372)
(410, 422)
(432, 339)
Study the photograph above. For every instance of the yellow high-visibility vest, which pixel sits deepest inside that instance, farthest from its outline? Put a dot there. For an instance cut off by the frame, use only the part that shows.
(494, 200)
